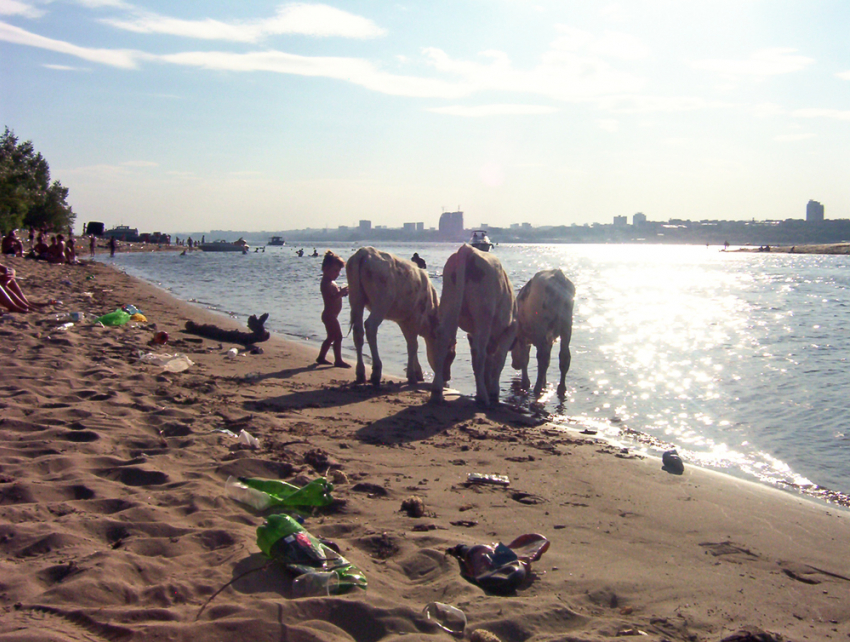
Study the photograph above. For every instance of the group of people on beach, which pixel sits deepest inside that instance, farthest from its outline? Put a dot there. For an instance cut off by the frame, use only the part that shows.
(60, 249)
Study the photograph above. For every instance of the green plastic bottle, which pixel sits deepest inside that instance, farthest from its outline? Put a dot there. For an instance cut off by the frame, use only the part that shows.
(283, 539)
(315, 493)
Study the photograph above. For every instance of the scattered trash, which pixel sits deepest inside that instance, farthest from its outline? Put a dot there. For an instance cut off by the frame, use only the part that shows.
(232, 353)
(499, 568)
(315, 584)
(248, 439)
(138, 317)
(160, 338)
(171, 362)
(284, 540)
(226, 432)
(131, 309)
(63, 327)
(672, 463)
(261, 494)
(448, 618)
(76, 317)
(481, 478)
(118, 317)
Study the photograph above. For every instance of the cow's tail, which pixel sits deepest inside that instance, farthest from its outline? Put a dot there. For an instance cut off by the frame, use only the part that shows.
(357, 298)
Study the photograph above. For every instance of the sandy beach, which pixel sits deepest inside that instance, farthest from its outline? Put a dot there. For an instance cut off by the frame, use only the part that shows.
(114, 523)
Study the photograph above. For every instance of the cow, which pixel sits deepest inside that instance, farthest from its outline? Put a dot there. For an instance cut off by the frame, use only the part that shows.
(395, 289)
(477, 297)
(545, 313)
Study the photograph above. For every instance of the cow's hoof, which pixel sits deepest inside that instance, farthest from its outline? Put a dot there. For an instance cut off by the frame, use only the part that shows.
(358, 379)
(562, 390)
(436, 398)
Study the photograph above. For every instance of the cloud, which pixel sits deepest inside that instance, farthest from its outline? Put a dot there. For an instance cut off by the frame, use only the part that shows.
(353, 70)
(478, 111)
(316, 20)
(844, 75)
(767, 62)
(64, 68)
(112, 57)
(636, 104)
(15, 8)
(789, 138)
(836, 114)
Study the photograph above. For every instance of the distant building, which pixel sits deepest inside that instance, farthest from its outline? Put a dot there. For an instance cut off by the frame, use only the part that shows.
(814, 212)
(409, 227)
(365, 226)
(451, 225)
(621, 221)
(420, 226)
(639, 219)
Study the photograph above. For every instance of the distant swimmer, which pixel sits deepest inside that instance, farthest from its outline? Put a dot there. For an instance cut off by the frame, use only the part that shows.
(418, 260)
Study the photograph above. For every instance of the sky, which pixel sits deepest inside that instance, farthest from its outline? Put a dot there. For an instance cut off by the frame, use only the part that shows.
(202, 115)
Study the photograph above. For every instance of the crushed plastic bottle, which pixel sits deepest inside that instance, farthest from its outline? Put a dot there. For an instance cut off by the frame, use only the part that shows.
(448, 618)
(178, 363)
(247, 439)
(482, 478)
(280, 493)
(283, 539)
(315, 584)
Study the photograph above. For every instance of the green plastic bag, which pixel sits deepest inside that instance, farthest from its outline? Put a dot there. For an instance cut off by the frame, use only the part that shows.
(261, 494)
(119, 317)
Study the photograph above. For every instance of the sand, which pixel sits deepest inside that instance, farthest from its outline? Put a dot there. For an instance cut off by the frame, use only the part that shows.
(114, 524)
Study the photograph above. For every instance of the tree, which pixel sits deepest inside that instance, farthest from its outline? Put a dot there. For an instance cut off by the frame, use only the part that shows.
(26, 194)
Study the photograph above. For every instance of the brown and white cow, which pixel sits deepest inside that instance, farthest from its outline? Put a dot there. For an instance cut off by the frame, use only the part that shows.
(395, 289)
(545, 313)
(477, 297)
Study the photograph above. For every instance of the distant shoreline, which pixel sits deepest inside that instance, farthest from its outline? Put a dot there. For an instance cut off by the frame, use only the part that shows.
(819, 248)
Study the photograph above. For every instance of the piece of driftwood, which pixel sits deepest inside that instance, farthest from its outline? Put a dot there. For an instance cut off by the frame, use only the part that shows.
(256, 326)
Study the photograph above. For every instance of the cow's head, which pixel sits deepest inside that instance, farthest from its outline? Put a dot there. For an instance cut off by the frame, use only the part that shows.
(433, 344)
(520, 351)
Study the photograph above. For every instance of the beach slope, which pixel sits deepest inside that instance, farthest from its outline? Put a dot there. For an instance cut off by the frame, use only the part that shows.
(114, 524)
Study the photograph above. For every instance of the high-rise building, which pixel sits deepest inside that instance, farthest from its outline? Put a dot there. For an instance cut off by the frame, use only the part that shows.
(365, 225)
(451, 225)
(620, 221)
(814, 212)
(639, 219)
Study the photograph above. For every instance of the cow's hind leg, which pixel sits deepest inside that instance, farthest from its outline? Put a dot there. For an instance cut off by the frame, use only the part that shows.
(496, 361)
(372, 324)
(564, 359)
(480, 369)
(414, 370)
(357, 330)
(544, 355)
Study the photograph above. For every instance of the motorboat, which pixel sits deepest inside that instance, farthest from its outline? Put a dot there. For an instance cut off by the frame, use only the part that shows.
(225, 246)
(480, 241)
(276, 240)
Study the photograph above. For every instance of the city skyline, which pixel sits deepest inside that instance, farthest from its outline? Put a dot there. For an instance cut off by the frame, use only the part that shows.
(272, 115)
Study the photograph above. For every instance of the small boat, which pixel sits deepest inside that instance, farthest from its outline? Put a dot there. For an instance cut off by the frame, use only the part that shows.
(480, 241)
(276, 240)
(225, 246)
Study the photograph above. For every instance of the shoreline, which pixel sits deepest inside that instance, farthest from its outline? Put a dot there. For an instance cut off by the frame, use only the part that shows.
(113, 507)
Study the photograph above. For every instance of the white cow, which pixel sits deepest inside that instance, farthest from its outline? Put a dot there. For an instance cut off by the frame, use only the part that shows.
(545, 313)
(477, 297)
(395, 289)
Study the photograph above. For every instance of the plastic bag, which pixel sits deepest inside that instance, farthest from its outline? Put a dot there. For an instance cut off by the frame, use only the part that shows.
(119, 317)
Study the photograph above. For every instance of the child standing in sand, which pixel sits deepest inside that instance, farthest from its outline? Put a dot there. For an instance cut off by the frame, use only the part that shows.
(332, 295)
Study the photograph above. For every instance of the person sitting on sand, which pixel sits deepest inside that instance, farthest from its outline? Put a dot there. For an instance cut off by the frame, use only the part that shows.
(332, 295)
(56, 252)
(41, 249)
(12, 245)
(11, 296)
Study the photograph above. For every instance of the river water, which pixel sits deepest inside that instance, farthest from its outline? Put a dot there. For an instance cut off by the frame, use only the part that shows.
(738, 360)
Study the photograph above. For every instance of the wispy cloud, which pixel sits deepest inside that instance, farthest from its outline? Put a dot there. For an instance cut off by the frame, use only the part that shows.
(844, 75)
(16, 8)
(767, 62)
(64, 68)
(112, 57)
(636, 104)
(478, 111)
(354, 70)
(836, 114)
(316, 20)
